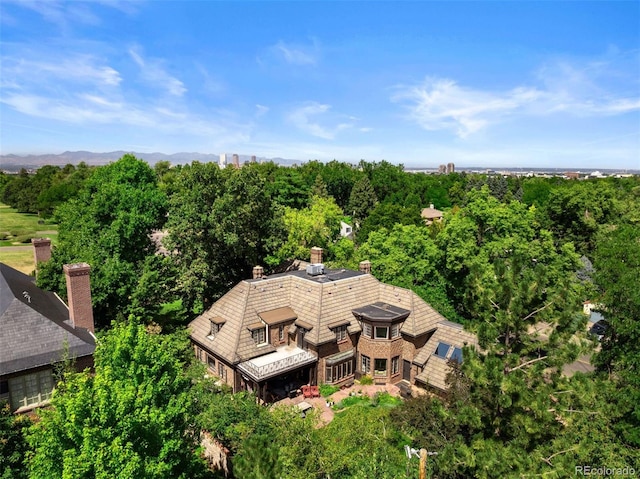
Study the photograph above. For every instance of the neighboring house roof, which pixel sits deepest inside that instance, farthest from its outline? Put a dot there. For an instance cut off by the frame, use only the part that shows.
(35, 329)
(316, 303)
(434, 358)
(431, 213)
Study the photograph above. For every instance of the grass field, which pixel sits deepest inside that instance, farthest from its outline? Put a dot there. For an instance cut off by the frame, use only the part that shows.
(16, 231)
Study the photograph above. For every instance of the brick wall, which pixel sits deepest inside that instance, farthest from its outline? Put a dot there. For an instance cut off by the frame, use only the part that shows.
(328, 349)
(274, 334)
(79, 293)
(382, 349)
(41, 250)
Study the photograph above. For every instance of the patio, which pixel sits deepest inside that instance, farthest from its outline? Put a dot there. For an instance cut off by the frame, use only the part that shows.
(320, 403)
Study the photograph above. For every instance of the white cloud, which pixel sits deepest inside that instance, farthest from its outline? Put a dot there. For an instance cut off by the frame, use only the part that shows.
(261, 110)
(65, 15)
(439, 104)
(154, 73)
(294, 53)
(80, 68)
(563, 88)
(305, 118)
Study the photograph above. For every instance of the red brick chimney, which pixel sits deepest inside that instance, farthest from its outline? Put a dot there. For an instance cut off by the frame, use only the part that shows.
(258, 272)
(365, 267)
(316, 255)
(41, 250)
(79, 295)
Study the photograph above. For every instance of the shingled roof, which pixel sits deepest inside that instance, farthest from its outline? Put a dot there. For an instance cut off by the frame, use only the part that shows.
(450, 335)
(318, 302)
(35, 329)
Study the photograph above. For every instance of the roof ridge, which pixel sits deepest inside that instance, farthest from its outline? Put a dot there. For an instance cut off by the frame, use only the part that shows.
(236, 344)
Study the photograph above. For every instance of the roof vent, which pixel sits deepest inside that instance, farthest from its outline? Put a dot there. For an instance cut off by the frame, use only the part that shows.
(315, 269)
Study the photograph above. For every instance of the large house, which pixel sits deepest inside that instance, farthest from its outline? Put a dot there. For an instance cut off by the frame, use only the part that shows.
(271, 334)
(38, 331)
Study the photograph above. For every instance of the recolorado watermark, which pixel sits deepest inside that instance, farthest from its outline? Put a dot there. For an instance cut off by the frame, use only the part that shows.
(604, 471)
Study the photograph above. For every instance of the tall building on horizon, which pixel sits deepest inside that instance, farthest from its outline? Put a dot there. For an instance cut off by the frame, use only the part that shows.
(223, 160)
(451, 168)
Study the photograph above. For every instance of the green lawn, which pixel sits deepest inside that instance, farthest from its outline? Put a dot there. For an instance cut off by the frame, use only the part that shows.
(17, 229)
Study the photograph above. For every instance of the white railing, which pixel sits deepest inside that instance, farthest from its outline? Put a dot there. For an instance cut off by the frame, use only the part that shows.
(278, 366)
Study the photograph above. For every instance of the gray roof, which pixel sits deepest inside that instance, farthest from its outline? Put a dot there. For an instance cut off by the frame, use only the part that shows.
(35, 328)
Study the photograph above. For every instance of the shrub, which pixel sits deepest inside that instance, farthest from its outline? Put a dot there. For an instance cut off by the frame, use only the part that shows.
(327, 390)
(366, 380)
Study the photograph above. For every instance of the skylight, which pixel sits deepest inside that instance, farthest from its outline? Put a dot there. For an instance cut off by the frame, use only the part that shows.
(442, 350)
(457, 355)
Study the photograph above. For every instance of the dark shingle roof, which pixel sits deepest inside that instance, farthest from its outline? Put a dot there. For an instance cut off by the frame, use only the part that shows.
(34, 325)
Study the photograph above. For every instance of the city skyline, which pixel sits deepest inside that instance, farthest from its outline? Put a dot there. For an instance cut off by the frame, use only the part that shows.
(502, 84)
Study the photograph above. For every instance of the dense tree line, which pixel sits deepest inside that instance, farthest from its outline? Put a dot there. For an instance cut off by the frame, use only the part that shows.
(507, 260)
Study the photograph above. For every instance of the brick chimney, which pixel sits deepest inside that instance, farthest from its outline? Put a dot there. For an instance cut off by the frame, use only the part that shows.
(258, 272)
(41, 250)
(365, 267)
(79, 295)
(316, 255)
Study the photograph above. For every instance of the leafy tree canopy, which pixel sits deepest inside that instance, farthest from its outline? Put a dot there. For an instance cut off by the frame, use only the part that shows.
(109, 227)
(128, 420)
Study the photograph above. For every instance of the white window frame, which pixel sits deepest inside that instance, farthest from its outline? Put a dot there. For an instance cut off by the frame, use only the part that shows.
(365, 364)
(386, 328)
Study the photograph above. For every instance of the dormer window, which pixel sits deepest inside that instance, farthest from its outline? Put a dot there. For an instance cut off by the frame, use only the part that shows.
(259, 335)
(215, 328)
(215, 325)
(341, 333)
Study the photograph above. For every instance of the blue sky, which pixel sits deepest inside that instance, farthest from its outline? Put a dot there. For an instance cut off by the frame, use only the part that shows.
(512, 84)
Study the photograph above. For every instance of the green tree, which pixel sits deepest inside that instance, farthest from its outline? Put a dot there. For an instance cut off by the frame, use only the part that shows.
(109, 227)
(298, 440)
(617, 265)
(361, 442)
(317, 225)
(386, 179)
(233, 418)
(131, 419)
(386, 215)
(13, 445)
(221, 224)
(361, 200)
(576, 211)
(259, 458)
(340, 179)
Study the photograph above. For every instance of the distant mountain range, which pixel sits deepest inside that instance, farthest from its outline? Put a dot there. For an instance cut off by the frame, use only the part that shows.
(15, 162)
